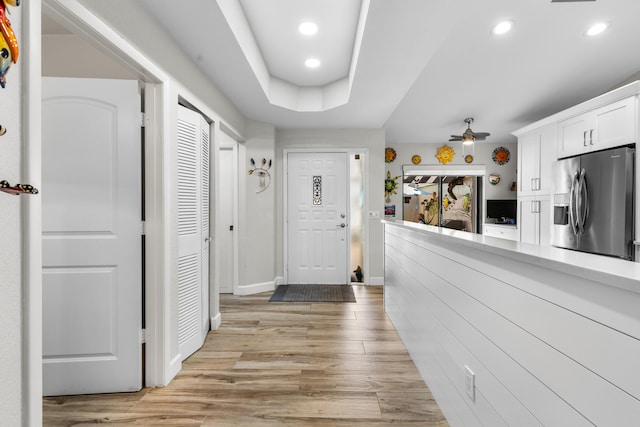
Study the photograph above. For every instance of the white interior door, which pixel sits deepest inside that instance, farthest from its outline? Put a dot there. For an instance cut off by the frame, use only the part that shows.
(92, 245)
(226, 213)
(193, 230)
(317, 218)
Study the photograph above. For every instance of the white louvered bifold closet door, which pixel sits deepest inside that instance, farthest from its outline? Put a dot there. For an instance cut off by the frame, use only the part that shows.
(206, 238)
(192, 286)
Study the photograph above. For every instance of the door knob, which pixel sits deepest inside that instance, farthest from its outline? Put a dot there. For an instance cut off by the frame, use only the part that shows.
(343, 225)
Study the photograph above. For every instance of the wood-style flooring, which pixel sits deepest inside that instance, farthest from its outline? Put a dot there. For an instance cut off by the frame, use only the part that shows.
(278, 364)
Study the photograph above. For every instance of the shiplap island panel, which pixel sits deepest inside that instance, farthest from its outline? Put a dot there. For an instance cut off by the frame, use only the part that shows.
(552, 336)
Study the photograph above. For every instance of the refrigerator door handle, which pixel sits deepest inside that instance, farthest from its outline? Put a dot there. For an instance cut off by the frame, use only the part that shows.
(572, 204)
(583, 206)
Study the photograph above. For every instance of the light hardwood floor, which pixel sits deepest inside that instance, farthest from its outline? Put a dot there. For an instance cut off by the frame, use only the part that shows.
(279, 364)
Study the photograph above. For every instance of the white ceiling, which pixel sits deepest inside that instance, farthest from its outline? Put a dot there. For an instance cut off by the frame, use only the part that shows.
(424, 66)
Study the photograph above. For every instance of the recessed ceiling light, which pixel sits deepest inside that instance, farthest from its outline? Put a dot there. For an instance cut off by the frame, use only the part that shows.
(312, 63)
(308, 28)
(502, 27)
(596, 29)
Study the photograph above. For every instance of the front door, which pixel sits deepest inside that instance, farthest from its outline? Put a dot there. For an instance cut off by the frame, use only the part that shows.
(317, 218)
(92, 246)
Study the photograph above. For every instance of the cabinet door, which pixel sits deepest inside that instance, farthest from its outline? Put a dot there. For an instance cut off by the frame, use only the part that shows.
(574, 135)
(528, 162)
(548, 154)
(615, 124)
(529, 222)
(535, 221)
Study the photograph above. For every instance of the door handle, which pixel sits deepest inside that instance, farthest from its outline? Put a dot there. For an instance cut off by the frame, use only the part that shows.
(584, 138)
(590, 136)
(343, 225)
(208, 239)
(572, 204)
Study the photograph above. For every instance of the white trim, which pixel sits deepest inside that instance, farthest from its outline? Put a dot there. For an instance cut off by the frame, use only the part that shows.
(31, 410)
(175, 365)
(216, 321)
(255, 288)
(375, 281)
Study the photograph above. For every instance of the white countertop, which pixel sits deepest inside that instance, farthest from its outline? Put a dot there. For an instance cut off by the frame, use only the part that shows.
(610, 271)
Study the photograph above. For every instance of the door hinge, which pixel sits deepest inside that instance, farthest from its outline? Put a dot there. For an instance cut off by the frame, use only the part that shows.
(143, 228)
(143, 336)
(142, 119)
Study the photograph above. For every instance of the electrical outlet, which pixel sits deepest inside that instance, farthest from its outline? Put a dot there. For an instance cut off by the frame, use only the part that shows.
(470, 383)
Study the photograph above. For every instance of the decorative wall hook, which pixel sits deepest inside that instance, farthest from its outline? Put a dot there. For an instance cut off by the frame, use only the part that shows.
(263, 173)
(17, 189)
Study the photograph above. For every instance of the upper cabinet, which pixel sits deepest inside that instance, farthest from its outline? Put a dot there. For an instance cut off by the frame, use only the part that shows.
(536, 152)
(609, 126)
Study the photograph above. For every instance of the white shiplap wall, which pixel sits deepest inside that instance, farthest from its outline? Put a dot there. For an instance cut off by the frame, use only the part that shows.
(547, 348)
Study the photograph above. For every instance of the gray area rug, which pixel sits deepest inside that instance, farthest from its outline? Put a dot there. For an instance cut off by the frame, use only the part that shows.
(313, 293)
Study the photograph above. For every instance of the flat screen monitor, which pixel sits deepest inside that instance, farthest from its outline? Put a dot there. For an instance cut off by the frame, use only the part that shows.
(504, 208)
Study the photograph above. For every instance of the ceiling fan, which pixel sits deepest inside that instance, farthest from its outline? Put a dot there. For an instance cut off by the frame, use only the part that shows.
(469, 136)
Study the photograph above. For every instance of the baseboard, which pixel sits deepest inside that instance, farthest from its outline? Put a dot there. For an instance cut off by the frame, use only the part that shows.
(174, 367)
(255, 288)
(375, 281)
(216, 321)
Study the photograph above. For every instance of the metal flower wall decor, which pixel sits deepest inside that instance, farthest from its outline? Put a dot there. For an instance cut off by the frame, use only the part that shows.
(262, 172)
(390, 185)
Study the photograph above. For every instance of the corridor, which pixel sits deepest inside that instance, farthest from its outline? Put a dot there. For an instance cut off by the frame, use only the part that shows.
(276, 364)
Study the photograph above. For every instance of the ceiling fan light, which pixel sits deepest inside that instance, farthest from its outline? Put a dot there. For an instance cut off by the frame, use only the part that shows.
(502, 27)
(467, 140)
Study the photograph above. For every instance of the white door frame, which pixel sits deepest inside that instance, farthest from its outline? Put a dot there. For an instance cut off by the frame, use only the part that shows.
(157, 227)
(161, 99)
(226, 141)
(349, 152)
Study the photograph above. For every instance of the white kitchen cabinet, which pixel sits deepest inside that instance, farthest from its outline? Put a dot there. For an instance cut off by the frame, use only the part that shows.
(509, 232)
(536, 153)
(605, 127)
(534, 220)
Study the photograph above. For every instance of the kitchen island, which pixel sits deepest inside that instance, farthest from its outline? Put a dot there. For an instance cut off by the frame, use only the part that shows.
(507, 333)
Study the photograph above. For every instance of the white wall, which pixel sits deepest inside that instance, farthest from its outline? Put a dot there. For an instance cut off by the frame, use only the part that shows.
(134, 24)
(371, 139)
(257, 229)
(69, 55)
(481, 156)
(11, 292)
(547, 347)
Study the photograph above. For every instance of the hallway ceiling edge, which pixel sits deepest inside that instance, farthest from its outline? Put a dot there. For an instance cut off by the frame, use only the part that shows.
(421, 64)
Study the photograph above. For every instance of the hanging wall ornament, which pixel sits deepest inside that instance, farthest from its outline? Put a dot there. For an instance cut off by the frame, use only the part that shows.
(390, 185)
(501, 155)
(263, 173)
(445, 154)
(389, 154)
(8, 41)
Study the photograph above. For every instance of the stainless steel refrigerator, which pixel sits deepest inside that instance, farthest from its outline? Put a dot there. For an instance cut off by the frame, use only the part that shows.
(593, 203)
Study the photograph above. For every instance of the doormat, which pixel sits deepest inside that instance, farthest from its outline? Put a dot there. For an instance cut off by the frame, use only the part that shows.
(313, 293)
